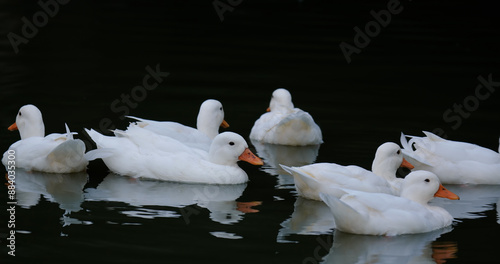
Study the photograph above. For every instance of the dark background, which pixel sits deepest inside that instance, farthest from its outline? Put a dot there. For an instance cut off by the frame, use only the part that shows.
(91, 52)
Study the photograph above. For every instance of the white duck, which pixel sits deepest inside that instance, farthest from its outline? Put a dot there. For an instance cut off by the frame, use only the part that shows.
(312, 179)
(210, 118)
(383, 214)
(452, 161)
(286, 125)
(149, 139)
(127, 158)
(54, 153)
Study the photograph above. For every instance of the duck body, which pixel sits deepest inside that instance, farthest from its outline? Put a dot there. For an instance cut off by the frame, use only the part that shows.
(286, 125)
(219, 167)
(54, 153)
(452, 161)
(210, 117)
(383, 214)
(310, 180)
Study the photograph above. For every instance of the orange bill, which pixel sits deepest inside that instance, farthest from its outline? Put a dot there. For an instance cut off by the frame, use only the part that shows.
(249, 157)
(12, 127)
(406, 164)
(268, 109)
(224, 124)
(445, 193)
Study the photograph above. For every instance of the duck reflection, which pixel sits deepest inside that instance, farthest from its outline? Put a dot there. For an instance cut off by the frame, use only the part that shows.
(64, 189)
(310, 217)
(218, 199)
(415, 248)
(274, 155)
(474, 199)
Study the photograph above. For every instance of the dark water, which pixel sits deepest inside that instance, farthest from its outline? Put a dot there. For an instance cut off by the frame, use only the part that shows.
(91, 53)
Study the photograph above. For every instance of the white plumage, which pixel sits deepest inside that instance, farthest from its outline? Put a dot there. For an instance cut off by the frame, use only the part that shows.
(54, 153)
(286, 125)
(312, 179)
(384, 214)
(452, 161)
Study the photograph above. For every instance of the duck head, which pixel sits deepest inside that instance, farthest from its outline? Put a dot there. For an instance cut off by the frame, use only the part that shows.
(29, 122)
(388, 159)
(281, 100)
(228, 147)
(210, 118)
(422, 186)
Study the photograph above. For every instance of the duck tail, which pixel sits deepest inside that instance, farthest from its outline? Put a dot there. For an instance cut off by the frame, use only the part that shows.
(342, 212)
(417, 154)
(302, 177)
(70, 153)
(98, 154)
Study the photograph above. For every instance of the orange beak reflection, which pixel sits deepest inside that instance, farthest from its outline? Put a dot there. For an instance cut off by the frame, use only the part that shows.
(249, 157)
(246, 207)
(12, 127)
(445, 193)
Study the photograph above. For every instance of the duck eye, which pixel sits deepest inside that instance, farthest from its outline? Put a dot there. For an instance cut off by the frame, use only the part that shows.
(20, 114)
(399, 151)
(231, 143)
(220, 108)
(427, 180)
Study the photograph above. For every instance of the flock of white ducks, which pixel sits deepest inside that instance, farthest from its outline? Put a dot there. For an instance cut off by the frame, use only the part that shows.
(362, 202)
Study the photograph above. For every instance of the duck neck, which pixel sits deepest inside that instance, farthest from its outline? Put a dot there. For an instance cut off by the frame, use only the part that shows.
(28, 130)
(211, 129)
(384, 170)
(217, 157)
(414, 196)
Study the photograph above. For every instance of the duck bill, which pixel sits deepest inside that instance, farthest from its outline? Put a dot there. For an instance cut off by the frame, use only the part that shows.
(12, 127)
(406, 164)
(268, 109)
(224, 124)
(249, 157)
(445, 193)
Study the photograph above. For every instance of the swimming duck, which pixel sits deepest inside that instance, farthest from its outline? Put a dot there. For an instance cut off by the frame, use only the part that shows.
(453, 162)
(54, 153)
(220, 167)
(285, 125)
(312, 179)
(383, 214)
(210, 118)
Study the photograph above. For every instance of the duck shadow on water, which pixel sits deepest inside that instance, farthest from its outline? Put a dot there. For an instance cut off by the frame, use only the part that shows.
(144, 195)
(273, 155)
(63, 189)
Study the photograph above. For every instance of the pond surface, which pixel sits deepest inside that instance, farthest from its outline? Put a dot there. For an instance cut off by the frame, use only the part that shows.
(420, 72)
